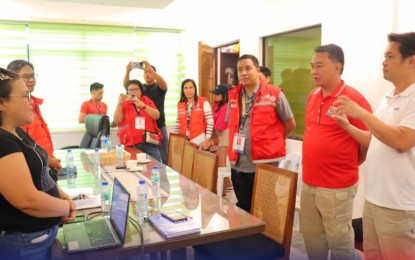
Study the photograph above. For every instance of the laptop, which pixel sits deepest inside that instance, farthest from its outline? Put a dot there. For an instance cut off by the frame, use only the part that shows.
(101, 233)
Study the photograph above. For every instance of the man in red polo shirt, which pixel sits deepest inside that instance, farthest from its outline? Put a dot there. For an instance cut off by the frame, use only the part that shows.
(94, 105)
(331, 156)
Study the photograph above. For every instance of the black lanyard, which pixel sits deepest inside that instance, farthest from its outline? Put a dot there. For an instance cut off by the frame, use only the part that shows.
(247, 111)
(136, 109)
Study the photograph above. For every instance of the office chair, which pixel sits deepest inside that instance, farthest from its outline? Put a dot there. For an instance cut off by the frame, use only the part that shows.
(96, 126)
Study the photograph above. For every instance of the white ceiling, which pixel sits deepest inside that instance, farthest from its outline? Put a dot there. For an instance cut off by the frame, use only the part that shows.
(196, 15)
(151, 4)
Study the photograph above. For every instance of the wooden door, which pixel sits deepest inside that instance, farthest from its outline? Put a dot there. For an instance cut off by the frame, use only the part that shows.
(207, 68)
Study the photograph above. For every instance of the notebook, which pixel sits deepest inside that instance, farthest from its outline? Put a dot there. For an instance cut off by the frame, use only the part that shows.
(101, 233)
(170, 229)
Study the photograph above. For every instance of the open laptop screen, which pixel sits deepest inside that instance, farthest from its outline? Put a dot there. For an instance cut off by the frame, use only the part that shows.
(119, 208)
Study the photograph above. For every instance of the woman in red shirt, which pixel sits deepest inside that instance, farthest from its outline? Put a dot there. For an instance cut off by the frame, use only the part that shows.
(135, 115)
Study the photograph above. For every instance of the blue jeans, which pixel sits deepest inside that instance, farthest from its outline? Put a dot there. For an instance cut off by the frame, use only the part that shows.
(163, 147)
(150, 149)
(33, 246)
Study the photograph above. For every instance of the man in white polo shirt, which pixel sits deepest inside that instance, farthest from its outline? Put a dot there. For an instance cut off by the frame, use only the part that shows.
(389, 213)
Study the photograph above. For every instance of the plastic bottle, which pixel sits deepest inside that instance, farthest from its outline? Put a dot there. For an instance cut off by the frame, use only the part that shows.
(97, 171)
(104, 143)
(142, 202)
(120, 155)
(105, 198)
(155, 182)
(70, 170)
(109, 144)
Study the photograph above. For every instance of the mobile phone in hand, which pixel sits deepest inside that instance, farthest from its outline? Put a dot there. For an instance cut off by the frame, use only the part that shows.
(137, 65)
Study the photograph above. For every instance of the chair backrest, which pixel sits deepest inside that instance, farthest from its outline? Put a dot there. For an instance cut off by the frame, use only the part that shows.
(175, 153)
(96, 126)
(291, 162)
(205, 169)
(273, 201)
(187, 164)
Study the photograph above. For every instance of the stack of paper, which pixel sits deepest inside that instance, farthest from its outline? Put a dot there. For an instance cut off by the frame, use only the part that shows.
(171, 229)
(84, 198)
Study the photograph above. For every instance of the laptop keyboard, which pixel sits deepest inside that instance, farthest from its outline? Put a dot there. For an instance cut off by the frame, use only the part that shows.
(98, 233)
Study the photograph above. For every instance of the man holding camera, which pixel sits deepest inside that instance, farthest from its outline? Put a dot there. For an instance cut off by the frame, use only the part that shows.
(155, 88)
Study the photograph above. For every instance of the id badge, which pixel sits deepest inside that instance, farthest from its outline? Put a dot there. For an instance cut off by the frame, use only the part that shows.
(140, 123)
(187, 133)
(238, 143)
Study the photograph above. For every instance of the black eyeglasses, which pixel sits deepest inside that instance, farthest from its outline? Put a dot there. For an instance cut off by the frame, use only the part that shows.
(28, 96)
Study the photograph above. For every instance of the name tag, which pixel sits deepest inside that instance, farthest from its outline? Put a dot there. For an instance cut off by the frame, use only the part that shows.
(140, 123)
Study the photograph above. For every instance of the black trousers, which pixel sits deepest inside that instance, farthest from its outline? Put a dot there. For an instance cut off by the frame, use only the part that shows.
(243, 185)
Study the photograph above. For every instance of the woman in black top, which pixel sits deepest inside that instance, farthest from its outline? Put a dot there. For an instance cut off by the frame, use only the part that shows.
(31, 204)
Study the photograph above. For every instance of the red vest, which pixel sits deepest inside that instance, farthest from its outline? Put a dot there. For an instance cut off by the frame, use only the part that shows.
(197, 124)
(127, 133)
(39, 130)
(267, 131)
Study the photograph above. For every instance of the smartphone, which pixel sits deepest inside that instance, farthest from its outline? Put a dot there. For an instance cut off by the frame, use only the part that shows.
(137, 65)
(173, 215)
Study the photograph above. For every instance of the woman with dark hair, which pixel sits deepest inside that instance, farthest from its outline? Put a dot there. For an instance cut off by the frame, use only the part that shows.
(136, 117)
(31, 203)
(194, 115)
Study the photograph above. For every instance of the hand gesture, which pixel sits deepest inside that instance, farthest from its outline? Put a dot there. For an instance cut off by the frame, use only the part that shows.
(347, 106)
(72, 213)
(122, 98)
(55, 163)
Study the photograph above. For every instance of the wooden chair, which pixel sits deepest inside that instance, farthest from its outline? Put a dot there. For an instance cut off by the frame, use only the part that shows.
(273, 202)
(205, 169)
(187, 165)
(175, 153)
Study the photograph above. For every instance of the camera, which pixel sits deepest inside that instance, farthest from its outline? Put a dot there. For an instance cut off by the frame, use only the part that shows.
(137, 65)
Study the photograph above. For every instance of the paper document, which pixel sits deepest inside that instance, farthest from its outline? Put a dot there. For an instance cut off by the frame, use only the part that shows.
(84, 198)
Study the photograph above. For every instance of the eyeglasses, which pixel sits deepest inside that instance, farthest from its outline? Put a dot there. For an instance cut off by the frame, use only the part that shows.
(28, 96)
(28, 77)
(132, 90)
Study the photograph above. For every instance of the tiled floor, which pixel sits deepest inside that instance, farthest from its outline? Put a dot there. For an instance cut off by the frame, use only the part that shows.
(298, 251)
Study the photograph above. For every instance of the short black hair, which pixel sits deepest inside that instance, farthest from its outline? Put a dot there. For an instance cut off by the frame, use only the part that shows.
(6, 79)
(335, 53)
(406, 43)
(95, 86)
(250, 57)
(135, 82)
(264, 70)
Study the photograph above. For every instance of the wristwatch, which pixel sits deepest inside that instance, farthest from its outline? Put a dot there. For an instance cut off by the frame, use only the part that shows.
(144, 107)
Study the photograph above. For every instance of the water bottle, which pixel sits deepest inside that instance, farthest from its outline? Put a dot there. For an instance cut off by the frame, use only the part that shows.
(109, 144)
(142, 202)
(104, 143)
(97, 171)
(120, 155)
(70, 170)
(155, 182)
(105, 198)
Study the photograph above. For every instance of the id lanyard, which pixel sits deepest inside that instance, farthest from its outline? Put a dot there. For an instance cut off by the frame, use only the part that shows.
(247, 111)
(189, 109)
(139, 120)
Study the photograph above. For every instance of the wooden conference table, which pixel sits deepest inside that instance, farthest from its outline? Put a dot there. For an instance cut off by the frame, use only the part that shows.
(219, 219)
